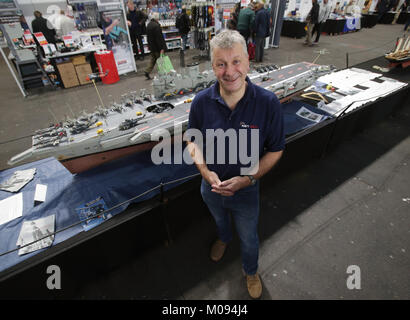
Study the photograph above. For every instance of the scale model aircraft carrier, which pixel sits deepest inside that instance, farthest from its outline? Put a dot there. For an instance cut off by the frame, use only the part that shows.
(124, 128)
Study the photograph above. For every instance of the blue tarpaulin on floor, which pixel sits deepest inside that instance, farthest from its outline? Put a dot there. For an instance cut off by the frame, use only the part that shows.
(294, 123)
(115, 182)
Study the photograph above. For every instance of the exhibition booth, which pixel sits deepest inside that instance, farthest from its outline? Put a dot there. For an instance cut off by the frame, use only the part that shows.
(84, 29)
(345, 17)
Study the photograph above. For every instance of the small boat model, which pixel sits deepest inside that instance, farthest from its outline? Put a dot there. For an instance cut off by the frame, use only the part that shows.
(401, 53)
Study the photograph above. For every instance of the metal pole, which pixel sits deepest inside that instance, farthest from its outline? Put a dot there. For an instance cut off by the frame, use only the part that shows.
(129, 37)
(347, 60)
(274, 20)
(182, 58)
(23, 92)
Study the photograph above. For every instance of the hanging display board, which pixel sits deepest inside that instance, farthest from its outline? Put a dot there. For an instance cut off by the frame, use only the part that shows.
(116, 35)
(223, 10)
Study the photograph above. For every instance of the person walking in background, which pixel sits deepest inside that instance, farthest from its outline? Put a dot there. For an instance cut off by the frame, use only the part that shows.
(63, 24)
(40, 24)
(338, 9)
(262, 30)
(156, 43)
(136, 24)
(183, 25)
(366, 7)
(406, 8)
(396, 9)
(233, 22)
(246, 20)
(382, 8)
(311, 20)
(324, 13)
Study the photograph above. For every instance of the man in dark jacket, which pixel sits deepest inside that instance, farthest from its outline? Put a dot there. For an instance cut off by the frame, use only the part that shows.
(406, 8)
(246, 20)
(136, 23)
(311, 20)
(156, 42)
(382, 7)
(261, 28)
(39, 24)
(184, 26)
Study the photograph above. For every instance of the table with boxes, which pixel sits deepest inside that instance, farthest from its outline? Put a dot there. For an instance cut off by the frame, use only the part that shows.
(74, 71)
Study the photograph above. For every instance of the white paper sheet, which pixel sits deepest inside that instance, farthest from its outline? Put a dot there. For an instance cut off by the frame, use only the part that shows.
(40, 194)
(309, 115)
(355, 97)
(36, 230)
(18, 180)
(11, 208)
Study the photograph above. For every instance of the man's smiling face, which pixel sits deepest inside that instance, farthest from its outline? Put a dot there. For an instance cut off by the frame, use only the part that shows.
(230, 67)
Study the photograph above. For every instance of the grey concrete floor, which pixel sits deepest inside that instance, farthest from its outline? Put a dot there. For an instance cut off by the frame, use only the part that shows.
(351, 208)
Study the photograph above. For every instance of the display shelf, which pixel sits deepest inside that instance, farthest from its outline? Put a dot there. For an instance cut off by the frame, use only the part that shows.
(170, 31)
(29, 73)
(174, 38)
(171, 36)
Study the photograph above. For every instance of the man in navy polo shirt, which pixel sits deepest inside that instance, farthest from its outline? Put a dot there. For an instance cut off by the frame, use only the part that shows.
(236, 106)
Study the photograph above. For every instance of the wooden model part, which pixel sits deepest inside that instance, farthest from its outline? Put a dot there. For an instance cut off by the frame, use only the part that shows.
(314, 96)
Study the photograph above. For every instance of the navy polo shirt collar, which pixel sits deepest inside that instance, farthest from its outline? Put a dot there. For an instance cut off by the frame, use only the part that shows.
(249, 93)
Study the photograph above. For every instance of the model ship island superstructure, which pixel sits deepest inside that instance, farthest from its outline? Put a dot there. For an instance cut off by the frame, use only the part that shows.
(127, 127)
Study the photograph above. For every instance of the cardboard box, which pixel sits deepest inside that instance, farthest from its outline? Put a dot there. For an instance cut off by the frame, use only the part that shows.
(83, 70)
(68, 74)
(80, 59)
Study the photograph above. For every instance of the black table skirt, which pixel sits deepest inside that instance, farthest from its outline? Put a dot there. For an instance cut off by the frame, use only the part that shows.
(333, 26)
(293, 29)
(387, 18)
(368, 20)
(403, 17)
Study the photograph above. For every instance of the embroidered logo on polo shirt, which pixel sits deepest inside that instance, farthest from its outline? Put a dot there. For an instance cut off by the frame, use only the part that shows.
(248, 126)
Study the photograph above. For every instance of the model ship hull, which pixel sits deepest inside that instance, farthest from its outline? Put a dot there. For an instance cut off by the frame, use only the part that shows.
(87, 162)
(126, 128)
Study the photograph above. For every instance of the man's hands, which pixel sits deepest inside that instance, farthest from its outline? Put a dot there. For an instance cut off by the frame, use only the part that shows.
(228, 187)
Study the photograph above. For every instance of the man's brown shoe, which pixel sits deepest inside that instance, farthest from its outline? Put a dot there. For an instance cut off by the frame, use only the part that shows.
(254, 285)
(217, 250)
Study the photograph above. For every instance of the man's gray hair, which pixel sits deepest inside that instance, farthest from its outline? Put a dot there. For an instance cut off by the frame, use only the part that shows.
(226, 39)
(155, 15)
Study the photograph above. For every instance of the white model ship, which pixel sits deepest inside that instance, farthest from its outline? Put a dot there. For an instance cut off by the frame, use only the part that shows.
(126, 127)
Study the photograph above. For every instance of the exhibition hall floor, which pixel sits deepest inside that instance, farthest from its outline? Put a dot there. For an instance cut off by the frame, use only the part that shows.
(319, 225)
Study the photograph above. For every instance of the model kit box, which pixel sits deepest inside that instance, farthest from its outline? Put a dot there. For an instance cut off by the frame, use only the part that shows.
(80, 59)
(83, 70)
(68, 74)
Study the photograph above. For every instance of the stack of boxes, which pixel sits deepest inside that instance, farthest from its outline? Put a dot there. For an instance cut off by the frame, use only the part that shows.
(82, 68)
(68, 74)
(74, 72)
